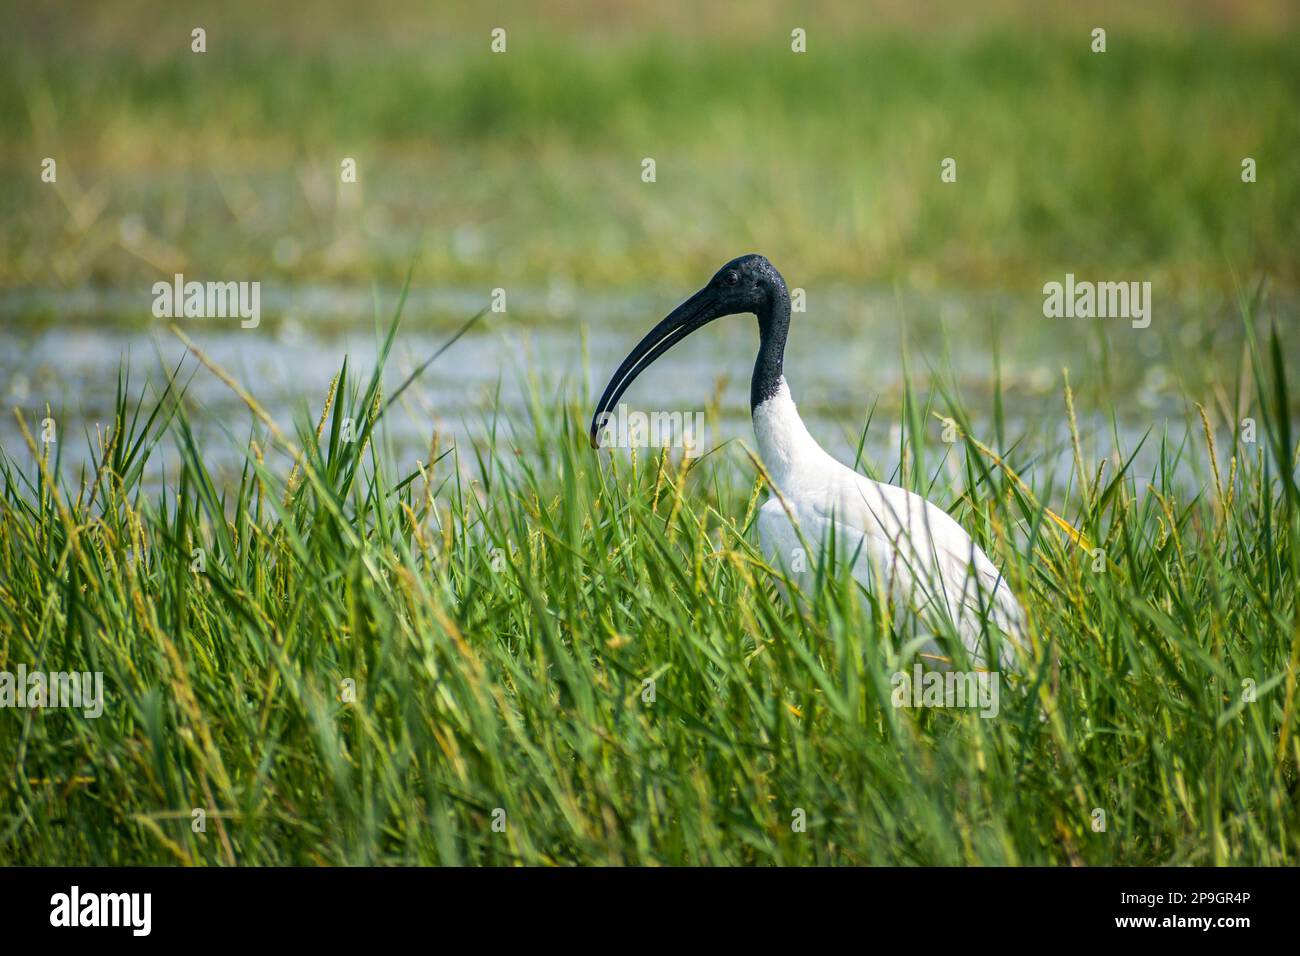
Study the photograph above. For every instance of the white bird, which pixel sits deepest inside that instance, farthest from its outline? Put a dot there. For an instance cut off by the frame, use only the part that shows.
(902, 548)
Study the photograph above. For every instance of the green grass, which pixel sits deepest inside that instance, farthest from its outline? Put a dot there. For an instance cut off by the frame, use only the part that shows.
(500, 631)
(526, 167)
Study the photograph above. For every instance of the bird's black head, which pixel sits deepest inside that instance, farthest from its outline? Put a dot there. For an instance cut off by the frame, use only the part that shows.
(747, 284)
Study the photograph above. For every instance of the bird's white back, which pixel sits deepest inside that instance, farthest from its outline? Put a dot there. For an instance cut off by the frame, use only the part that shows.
(925, 560)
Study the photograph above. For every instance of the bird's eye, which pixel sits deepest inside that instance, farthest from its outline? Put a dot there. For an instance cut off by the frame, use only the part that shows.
(732, 278)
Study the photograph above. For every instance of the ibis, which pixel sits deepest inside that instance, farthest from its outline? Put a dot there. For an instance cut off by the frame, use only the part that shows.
(901, 548)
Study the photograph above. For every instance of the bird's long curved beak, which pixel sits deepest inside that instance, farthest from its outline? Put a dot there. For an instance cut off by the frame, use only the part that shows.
(700, 309)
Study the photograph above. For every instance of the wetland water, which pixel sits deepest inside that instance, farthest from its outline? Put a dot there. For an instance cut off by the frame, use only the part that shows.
(845, 353)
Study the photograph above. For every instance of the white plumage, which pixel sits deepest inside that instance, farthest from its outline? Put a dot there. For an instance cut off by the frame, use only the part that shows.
(928, 565)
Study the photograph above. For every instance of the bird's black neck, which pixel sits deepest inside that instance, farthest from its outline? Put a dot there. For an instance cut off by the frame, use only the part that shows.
(769, 366)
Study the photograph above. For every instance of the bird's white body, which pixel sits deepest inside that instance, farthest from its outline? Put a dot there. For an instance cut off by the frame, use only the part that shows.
(927, 565)
(909, 554)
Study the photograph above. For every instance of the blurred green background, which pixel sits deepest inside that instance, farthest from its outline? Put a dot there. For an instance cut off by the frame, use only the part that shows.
(525, 167)
(523, 171)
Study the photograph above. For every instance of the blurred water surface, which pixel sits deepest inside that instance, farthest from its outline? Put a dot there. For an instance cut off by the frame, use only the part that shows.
(845, 360)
